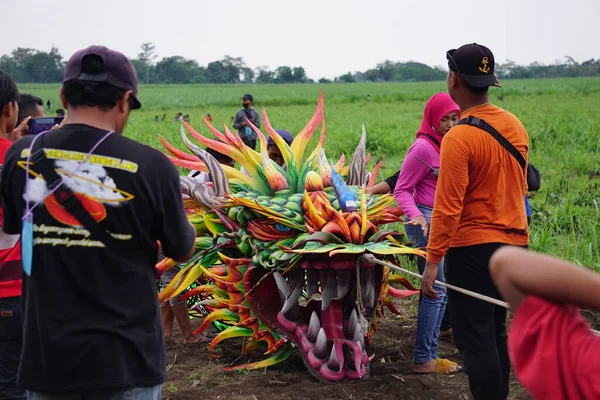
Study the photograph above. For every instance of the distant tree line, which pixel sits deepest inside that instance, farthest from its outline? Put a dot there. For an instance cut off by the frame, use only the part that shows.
(30, 65)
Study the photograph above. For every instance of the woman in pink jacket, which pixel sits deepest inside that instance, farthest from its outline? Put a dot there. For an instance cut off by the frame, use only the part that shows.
(414, 193)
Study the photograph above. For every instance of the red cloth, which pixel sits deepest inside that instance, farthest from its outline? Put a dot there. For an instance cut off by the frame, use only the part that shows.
(554, 353)
(10, 258)
(4, 145)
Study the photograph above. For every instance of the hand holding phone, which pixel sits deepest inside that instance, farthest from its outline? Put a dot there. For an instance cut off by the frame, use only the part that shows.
(39, 125)
(20, 130)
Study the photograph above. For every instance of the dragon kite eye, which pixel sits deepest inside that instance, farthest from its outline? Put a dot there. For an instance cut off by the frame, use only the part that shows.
(282, 228)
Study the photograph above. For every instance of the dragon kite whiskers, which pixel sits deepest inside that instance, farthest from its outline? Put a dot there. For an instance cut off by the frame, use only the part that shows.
(277, 253)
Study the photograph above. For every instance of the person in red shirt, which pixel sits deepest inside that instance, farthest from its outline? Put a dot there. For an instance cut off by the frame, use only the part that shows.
(11, 333)
(553, 351)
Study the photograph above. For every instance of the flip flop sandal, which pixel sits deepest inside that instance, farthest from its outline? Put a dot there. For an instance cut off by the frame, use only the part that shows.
(446, 367)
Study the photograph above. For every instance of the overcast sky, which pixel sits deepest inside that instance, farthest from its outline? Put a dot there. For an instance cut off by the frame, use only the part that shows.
(327, 37)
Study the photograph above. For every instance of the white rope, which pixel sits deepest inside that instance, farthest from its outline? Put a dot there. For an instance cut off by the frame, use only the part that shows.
(371, 259)
(497, 302)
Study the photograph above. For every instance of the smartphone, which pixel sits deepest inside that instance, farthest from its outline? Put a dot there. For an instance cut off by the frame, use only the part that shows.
(39, 125)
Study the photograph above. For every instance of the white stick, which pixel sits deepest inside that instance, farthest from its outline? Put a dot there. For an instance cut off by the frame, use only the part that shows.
(372, 259)
(444, 284)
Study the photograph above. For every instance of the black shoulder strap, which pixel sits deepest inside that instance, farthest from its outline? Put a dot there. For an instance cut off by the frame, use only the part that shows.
(248, 113)
(67, 199)
(481, 124)
(434, 140)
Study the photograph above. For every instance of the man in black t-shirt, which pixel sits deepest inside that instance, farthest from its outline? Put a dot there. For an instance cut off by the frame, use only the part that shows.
(91, 313)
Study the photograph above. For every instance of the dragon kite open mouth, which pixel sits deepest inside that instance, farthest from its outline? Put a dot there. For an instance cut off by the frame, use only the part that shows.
(279, 250)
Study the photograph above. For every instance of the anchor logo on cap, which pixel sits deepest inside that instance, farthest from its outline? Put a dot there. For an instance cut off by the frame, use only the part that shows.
(484, 65)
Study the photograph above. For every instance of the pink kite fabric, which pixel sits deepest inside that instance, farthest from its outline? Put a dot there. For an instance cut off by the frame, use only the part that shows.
(416, 183)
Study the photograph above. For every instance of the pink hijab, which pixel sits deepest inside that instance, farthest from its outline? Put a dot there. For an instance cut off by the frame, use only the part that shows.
(436, 108)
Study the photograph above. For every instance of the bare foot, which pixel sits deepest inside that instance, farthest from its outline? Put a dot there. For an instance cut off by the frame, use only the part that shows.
(195, 339)
(425, 368)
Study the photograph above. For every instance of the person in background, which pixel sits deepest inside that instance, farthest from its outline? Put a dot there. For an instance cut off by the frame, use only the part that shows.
(48, 104)
(164, 116)
(415, 193)
(554, 353)
(479, 207)
(178, 117)
(11, 331)
(30, 106)
(209, 117)
(60, 112)
(272, 149)
(176, 308)
(9, 112)
(221, 159)
(91, 316)
(156, 118)
(240, 122)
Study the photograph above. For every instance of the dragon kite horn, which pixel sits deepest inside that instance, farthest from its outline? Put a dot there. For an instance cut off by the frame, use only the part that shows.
(345, 196)
(217, 175)
(356, 175)
(199, 192)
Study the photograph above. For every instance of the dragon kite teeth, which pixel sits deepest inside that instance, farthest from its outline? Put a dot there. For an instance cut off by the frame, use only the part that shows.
(278, 251)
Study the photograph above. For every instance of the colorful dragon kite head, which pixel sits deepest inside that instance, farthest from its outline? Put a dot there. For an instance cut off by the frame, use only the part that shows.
(278, 249)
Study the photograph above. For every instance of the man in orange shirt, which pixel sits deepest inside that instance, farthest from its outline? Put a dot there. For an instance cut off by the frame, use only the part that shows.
(478, 208)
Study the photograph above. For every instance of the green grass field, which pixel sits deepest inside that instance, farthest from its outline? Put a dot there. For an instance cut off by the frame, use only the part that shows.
(561, 115)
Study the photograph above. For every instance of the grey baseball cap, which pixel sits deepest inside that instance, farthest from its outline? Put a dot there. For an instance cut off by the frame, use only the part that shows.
(118, 70)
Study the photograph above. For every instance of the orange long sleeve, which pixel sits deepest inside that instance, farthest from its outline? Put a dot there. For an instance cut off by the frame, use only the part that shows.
(480, 195)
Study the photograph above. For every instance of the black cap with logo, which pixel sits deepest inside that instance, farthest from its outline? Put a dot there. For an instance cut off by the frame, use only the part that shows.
(118, 70)
(474, 63)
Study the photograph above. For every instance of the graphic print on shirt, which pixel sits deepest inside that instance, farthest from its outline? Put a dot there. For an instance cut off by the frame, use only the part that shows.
(92, 185)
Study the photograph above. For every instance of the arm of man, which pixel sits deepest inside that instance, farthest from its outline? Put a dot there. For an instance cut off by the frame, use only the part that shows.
(240, 120)
(384, 187)
(519, 273)
(176, 235)
(449, 198)
(554, 353)
(391, 181)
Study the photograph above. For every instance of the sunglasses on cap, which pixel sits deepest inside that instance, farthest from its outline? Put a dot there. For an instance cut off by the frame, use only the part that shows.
(449, 57)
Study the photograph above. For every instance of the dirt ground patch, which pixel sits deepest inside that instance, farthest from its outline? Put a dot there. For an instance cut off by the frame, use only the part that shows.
(192, 374)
